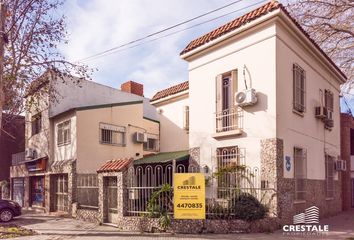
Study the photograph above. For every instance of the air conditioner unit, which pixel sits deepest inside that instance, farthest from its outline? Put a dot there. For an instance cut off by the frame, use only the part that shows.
(329, 123)
(321, 112)
(140, 137)
(30, 153)
(341, 165)
(246, 97)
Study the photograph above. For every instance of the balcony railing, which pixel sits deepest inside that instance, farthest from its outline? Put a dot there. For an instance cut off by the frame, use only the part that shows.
(17, 158)
(229, 119)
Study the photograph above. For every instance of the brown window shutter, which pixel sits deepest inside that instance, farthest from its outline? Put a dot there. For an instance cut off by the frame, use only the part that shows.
(218, 99)
(234, 86)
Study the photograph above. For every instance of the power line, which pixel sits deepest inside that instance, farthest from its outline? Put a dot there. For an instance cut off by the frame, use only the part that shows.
(119, 48)
(163, 30)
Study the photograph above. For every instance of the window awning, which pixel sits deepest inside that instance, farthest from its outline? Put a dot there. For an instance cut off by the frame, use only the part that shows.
(163, 157)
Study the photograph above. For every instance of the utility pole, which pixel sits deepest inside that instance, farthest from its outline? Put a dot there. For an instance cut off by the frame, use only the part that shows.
(3, 40)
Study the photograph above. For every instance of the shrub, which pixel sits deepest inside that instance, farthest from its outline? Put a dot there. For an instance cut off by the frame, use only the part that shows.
(247, 207)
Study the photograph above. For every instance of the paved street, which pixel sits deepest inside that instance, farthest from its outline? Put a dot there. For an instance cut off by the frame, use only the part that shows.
(56, 228)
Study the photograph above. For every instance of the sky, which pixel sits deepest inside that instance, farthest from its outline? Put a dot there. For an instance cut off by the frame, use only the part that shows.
(98, 25)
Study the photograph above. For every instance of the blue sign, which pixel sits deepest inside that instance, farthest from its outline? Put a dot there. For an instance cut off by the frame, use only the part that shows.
(287, 163)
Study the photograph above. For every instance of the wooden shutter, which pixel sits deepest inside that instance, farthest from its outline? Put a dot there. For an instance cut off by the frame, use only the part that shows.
(298, 88)
(218, 88)
(302, 89)
(295, 87)
(233, 86)
(218, 102)
(329, 101)
(186, 118)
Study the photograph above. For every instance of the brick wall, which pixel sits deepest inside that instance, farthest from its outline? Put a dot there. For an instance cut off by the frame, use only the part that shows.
(133, 87)
(347, 123)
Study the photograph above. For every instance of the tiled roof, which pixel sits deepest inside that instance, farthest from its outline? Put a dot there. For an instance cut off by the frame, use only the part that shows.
(248, 17)
(171, 90)
(228, 27)
(115, 165)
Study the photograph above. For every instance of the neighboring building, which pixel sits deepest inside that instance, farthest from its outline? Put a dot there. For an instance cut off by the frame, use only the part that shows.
(12, 141)
(173, 107)
(347, 154)
(70, 137)
(263, 94)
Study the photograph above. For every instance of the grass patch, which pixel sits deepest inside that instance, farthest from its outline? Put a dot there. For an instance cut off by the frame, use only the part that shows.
(12, 231)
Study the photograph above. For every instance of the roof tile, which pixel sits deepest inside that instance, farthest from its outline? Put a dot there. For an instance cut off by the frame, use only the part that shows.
(115, 165)
(230, 26)
(171, 90)
(248, 17)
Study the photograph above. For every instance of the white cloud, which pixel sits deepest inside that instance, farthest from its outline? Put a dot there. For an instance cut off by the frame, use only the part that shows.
(96, 25)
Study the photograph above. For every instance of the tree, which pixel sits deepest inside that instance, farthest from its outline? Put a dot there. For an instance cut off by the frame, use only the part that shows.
(330, 23)
(34, 30)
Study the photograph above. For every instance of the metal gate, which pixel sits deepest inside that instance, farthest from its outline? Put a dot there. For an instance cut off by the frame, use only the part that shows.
(112, 199)
(18, 190)
(60, 190)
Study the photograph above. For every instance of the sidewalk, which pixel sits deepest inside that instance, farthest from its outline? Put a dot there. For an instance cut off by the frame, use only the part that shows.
(57, 228)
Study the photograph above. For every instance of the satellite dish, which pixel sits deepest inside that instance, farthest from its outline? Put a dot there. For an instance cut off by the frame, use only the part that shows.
(240, 97)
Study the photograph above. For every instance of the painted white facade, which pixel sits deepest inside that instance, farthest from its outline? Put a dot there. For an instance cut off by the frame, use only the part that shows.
(305, 131)
(268, 51)
(256, 51)
(173, 136)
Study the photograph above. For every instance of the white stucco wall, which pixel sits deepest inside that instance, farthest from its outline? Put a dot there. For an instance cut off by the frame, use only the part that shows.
(256, 50)
(173, 136)
(68, 151)
(307, 131)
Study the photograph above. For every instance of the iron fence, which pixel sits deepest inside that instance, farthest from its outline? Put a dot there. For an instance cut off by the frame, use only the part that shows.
(222, 189)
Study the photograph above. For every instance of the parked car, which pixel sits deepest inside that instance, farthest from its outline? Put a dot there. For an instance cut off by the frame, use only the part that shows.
(8, 210)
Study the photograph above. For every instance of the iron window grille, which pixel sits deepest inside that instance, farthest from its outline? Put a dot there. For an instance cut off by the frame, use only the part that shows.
(300, 173)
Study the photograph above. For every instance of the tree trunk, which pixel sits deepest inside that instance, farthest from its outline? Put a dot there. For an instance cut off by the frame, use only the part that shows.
(2, 43)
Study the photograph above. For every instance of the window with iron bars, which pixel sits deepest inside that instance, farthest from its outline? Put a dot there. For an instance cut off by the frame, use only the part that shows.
(87, 190)
(112, 134)
(329, 168)
(230, 162)
(299, 92)
(151, 145)
(300, 173)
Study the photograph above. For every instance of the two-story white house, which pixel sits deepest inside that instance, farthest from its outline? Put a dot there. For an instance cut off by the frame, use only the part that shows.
(261, 93)
(71, 135)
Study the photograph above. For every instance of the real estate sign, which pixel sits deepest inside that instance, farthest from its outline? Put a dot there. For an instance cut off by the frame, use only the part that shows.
(189, 196)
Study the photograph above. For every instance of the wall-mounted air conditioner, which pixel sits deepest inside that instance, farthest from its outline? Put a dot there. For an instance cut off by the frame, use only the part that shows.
(246, 97)
(341, 165)
(321, 112)
(30, 153)
(140, 137)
